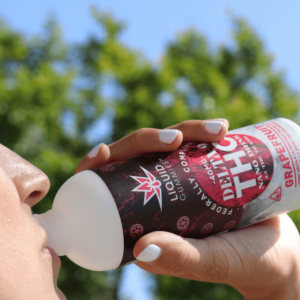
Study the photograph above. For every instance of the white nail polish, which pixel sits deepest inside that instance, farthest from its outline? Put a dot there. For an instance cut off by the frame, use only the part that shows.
(94, 152)
(213, 127)
(167, 136)
(150, 253)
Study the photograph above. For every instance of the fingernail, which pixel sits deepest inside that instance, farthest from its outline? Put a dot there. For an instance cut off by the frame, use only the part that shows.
(214, 126)
(167, 136)
(94, 152)
(150, 253)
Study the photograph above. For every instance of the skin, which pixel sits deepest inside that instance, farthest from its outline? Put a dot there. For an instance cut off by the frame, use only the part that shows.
(260, 261)
(27, 269)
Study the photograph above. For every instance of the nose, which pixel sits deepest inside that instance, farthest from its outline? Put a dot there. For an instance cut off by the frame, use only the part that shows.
(31, 183)
(33, 186)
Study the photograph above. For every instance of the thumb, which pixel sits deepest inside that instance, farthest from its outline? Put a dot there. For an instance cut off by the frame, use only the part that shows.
(165, 253)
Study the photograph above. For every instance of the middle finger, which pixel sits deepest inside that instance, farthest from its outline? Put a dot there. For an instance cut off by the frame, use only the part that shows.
(204, 131)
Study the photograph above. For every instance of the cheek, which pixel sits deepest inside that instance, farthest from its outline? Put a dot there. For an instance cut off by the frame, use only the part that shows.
(11, 210)
(23, 266)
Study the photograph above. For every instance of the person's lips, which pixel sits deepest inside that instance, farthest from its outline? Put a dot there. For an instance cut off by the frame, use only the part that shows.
(55, 257)
(47, 250)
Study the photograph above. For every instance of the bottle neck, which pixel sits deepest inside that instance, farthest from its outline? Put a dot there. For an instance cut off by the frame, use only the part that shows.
(58, 231)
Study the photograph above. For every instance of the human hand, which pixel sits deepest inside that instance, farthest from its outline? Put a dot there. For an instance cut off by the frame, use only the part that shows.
(261, 261)
(149, 140)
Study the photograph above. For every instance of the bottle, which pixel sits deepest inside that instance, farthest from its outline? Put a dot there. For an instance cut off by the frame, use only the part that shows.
(198, 190)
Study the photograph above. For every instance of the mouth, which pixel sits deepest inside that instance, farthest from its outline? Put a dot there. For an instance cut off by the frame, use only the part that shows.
(53, 254)
(47, 250)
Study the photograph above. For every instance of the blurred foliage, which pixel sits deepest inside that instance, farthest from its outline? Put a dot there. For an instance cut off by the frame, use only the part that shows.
(173, 288)
(52, 93)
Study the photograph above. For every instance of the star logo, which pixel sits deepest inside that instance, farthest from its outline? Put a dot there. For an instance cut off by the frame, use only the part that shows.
(150, 185)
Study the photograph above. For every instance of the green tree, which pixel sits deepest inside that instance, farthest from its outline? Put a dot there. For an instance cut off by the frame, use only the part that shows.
(52, 94)
(40, 100)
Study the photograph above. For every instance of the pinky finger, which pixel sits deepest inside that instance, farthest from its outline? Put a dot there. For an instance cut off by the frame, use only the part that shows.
(97, 157)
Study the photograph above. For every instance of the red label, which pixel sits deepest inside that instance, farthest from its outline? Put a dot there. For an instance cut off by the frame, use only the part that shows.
(237, 170)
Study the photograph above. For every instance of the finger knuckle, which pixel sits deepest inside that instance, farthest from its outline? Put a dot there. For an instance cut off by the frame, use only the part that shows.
(186, 125)
(181, 263)
(189, 125)
(217, 270)
(217, 265)
(138, 136)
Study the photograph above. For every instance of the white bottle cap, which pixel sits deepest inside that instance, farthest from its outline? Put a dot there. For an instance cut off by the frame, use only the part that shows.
(85, 223)
(60, 237)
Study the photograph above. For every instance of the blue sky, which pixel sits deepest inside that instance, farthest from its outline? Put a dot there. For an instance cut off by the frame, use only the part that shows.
(151, 24)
